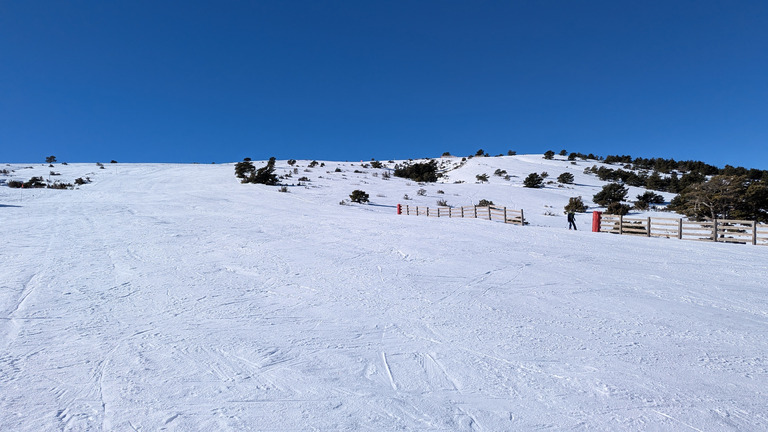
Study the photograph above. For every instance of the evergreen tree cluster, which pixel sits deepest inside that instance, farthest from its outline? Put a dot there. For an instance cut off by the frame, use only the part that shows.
(667, 166)
(704, 190)
(724, 196)
(672, 183)
(419, 172)
(249, 174)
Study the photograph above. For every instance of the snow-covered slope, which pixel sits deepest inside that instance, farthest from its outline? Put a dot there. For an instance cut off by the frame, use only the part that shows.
(173, 297)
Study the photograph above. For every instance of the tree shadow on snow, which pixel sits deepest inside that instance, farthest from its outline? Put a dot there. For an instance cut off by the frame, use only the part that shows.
(8, 205)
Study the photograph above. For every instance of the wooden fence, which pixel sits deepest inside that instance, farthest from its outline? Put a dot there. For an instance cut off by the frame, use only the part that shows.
(718, 230)
(501, 214)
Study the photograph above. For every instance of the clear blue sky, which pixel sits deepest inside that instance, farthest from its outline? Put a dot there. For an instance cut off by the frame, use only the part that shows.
(194, 81)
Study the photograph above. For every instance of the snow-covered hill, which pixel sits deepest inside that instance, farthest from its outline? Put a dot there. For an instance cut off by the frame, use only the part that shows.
(165, 296)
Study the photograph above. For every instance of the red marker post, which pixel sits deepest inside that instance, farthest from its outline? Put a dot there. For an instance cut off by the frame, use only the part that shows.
(596, 221)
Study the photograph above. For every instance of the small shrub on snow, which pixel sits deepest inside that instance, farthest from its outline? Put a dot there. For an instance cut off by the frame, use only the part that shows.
(442, 203)
(482, 178)
(58, 185)
(421, 192)
(617, 208)
(359, 196)
(484, 203)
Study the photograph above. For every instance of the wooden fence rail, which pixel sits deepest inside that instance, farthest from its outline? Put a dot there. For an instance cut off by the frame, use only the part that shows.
(501, 214)
(718, 230)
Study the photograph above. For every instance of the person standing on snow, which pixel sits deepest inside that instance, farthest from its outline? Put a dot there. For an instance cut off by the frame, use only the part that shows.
(571, 220)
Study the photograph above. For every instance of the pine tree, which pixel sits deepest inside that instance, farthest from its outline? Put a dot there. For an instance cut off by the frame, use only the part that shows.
(533, 181)
(655, 182)
(576, 205)
(611, 193)
(264, 175)
(242, 169)
(565, 178)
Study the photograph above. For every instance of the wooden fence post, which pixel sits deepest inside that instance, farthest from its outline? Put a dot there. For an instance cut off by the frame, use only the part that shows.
(680, 229)
(505, 215)
(714, 229)
(475, 212)
(462, 212)
(417, 210)
(489, 213)
(449, 213)
(427, 211)
(754, 232)
(522, 218)
(621, 224)
(649, 226)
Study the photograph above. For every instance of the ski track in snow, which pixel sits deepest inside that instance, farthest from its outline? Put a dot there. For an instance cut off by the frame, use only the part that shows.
(173, 297)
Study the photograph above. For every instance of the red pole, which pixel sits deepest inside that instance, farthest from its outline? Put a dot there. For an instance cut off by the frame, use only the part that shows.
(596, 221)
(399, 209)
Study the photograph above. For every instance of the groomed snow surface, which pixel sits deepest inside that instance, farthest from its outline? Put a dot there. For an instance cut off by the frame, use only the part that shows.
(172, 297)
